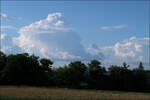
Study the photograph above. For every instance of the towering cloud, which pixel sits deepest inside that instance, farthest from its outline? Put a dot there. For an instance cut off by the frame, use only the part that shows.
(52, 38)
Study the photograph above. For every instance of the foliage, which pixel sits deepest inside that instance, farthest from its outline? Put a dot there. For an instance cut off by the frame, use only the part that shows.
(25, 69)
(3, 60)
(96, 74)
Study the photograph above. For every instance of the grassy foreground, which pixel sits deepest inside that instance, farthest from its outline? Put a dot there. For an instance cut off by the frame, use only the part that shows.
(34, 93)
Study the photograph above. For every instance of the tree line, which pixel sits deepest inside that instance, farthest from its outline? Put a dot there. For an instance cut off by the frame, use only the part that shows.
(25, 69)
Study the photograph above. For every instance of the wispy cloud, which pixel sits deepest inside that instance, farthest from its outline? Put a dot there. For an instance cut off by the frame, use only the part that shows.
(113, 27)
(8, 27)
(4, 16)
(2, 36)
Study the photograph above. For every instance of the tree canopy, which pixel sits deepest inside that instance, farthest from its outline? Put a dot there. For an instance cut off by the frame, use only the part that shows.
(25, 69)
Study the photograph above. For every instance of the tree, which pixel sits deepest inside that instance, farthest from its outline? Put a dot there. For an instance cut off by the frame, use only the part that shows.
(3, 60)
(25, 69)
(96, 74)
(140, 77)
(22, 69)
(126, 77)
(115, 77)
(75, 73)
(121, 78)
(46, 64)
(141, 67)
(124, 65)
(15, 69)
(70, 75)
(60, 76)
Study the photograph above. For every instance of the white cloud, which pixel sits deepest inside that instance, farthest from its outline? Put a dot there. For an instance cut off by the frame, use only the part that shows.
(113, 27)
(59, 22)
(128, 48)
(51, 38)
(4, 17)
(7, 46)
(119, 26)
(2, 36)
(131, 50)
(105, 27)
(96, 52)
(8, 27)
(93, 48)
(124, 49)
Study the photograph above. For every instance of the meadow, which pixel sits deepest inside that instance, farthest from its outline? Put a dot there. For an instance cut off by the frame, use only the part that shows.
(43, 93)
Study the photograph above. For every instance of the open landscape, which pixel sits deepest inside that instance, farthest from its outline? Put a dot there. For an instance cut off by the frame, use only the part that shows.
(74, 50)
(42, 93)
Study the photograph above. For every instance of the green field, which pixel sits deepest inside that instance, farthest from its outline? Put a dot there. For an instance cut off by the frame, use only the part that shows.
(36, 93)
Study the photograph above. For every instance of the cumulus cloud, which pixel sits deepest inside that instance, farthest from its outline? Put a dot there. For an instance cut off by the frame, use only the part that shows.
(131, 50)
(4, 16)
(113, 27)
(51, 38)
(7, 46)
(95, 50)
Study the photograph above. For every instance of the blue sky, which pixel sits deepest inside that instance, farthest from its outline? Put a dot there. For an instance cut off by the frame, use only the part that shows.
(98, 24)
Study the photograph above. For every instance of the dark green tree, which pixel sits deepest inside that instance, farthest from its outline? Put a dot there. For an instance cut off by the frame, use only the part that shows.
(70, 75)
(46, 64)
(121, 78)
(75, 73)
(22, 69)
(3, 60)
(141, 67)
(60, 75)
(125, 66)
(96, 74)
(140, 77)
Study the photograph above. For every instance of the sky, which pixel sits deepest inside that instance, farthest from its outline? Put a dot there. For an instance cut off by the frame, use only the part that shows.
(110, 31)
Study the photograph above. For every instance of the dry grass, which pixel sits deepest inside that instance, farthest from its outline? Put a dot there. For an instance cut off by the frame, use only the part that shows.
(34, 93)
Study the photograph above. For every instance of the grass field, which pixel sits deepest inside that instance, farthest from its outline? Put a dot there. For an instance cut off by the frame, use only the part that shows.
(34, 93)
